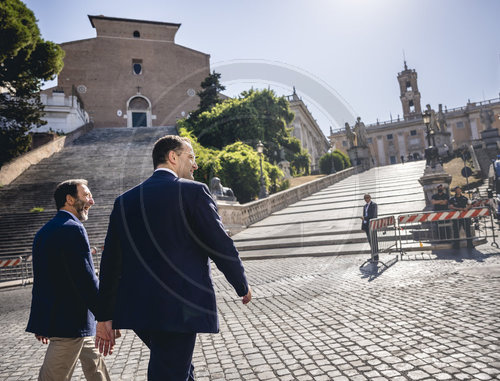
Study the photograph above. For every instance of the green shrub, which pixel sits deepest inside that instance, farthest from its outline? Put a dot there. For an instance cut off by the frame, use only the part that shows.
(340, 160)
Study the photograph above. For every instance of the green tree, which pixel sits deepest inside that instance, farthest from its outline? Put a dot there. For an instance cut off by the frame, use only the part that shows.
(206, 158)
(340, 160)
(25, 61)
(209, 97)
(240, 171)
(256, 115)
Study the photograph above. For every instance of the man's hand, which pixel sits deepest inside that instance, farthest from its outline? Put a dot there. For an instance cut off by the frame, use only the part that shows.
(43, 339)
(246, 299)
(105, 337)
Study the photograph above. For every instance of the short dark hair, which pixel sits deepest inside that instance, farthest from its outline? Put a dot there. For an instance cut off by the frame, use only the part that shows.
(166, 144)
(67, 187)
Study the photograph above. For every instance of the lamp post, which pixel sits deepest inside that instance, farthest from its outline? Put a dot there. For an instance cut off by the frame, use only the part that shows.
(332, 170)
(263, 190)
(426, 116)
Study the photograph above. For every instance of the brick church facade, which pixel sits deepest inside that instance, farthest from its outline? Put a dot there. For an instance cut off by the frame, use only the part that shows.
(133, 73)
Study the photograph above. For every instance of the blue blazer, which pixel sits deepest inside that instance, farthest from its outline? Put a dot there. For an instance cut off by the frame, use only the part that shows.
(155, 267)
(64, 284)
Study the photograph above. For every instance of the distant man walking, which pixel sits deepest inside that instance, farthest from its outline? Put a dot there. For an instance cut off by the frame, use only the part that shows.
(65, 288)
(155, 267)
(369, 212)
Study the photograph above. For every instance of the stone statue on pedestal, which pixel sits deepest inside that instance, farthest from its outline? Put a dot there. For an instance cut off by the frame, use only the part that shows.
(441, 119)
(351, 136)
(220, 192)
(360, 131)
(433, 125)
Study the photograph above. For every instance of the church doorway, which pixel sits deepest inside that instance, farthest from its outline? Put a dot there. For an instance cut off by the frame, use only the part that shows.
(138, 112)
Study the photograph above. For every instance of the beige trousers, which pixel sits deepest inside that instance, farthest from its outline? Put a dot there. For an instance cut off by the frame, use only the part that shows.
(62, 355)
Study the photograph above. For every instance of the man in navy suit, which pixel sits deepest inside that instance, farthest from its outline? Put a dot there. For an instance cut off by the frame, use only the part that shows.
(155, 267)
(369, 212)
(65, 288)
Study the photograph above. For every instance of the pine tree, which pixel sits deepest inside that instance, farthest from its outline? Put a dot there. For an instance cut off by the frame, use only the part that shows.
(25, 61)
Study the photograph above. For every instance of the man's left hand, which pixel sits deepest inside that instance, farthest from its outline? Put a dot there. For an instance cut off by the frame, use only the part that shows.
(105, 337)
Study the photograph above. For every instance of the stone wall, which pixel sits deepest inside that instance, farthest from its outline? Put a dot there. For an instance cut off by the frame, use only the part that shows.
(237, 217)
(11, 170)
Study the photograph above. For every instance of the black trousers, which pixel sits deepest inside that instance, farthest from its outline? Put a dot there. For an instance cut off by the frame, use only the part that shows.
(170, 355)
(375, 243)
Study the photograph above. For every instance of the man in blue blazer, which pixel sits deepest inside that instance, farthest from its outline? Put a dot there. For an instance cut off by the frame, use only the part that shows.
(155, 267)
(369, 212)
(65, 288)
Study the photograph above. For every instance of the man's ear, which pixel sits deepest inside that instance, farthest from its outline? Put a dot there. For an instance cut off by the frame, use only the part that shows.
(70, 200)
(171, 157)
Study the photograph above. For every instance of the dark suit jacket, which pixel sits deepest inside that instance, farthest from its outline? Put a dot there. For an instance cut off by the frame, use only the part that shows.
(372, 213)
(64, 285)
(155, 267)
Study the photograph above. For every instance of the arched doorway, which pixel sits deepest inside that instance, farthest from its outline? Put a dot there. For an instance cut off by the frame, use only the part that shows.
(138, 112)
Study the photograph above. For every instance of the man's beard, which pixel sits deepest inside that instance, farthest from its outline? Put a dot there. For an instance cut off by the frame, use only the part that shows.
(81, 213)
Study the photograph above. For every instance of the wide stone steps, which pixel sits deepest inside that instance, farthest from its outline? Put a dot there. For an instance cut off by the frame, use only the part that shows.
(113, 160)
(328, 222)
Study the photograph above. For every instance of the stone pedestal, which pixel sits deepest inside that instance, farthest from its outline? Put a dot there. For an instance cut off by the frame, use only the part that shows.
(360, 156)
(443, 143)
(431, 179)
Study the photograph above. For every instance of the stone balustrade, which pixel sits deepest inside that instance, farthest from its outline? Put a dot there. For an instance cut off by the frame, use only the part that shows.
(237, 217)
(11, 170)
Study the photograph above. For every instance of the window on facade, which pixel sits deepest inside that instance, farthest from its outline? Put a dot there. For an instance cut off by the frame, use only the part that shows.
(460, 124)
(369, 140)
(392, 159)
(137, 34)
(389, 136)
(408, 86)
(413, 132)
(344, 143)
(137, 66)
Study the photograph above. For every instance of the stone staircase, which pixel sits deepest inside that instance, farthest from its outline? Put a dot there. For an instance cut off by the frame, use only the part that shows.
(111, 159)
(328, 222)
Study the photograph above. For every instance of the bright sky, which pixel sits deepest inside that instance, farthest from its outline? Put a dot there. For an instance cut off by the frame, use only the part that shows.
(352, 48)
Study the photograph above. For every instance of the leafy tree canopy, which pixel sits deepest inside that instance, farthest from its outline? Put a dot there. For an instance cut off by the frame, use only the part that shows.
(256, 115)
(238, 167)
(25, 61)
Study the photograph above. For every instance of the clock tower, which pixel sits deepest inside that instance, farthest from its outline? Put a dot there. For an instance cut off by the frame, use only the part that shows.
(410, 96)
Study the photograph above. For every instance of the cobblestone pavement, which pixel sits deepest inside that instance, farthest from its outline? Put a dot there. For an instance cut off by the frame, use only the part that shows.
(323, 319)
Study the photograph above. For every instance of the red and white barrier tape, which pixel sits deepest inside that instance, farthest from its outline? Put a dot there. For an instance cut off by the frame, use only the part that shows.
(10, 262)
(379, 223)
(443, 216)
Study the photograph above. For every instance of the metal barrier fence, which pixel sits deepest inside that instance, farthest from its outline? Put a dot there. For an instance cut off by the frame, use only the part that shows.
(438, 229)
(21, 267)
(382, 237)
(16, 268)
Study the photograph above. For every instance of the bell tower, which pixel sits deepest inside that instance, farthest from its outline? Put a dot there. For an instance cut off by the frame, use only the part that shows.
(410, 96)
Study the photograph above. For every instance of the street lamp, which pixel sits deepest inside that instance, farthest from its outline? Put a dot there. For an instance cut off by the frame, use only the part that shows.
(332, 170)
(263, 190)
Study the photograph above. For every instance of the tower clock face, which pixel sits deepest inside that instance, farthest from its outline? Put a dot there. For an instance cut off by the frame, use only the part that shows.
(409, 94)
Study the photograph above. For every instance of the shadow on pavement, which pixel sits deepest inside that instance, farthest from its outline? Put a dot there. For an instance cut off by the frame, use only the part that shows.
(372, 270)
